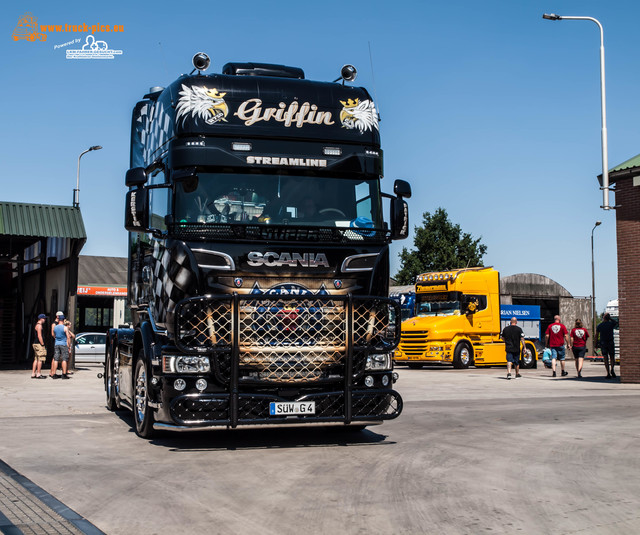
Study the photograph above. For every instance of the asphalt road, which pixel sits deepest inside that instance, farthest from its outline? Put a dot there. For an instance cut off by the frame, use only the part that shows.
(471, 453)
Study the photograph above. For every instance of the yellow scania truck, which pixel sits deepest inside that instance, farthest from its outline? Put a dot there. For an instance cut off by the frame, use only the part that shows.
(457, 322)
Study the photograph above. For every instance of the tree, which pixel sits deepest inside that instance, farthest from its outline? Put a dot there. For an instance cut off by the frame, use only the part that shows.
(439, 245)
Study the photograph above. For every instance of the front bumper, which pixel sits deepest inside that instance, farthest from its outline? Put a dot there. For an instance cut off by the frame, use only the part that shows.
(429, 356)
(223, 409)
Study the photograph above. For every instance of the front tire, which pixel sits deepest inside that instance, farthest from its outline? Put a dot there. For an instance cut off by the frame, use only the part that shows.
(462, 356)
(142, 413)
(109, 385)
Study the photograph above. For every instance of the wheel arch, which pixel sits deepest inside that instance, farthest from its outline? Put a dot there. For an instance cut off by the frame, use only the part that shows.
(143, 339)
(459, 341)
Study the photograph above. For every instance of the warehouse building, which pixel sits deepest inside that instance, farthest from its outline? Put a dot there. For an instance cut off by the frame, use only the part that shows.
(39, 249)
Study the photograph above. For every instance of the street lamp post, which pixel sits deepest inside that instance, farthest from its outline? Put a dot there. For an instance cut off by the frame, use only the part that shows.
(603, 106)
(593, 290)
(76, 192)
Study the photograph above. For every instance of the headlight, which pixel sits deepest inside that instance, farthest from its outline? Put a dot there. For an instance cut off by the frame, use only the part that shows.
(379, 362)
(185, 364)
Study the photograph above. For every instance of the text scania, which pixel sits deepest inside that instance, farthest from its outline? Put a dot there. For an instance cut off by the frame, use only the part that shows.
(271, 259)
(251, 112)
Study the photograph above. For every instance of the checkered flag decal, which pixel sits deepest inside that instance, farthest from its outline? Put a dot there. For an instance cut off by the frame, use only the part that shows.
(174, 279)
(155, 129)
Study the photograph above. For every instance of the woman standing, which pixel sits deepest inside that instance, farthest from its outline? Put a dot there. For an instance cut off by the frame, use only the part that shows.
(579, 336)
(72, 340)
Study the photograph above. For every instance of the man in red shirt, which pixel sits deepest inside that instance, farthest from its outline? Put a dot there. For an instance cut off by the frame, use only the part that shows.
(554, 338)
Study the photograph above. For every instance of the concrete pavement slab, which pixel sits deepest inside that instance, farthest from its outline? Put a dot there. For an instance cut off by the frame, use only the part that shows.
(472, 452)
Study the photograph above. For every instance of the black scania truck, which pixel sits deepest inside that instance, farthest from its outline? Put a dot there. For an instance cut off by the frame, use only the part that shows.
(258, 255)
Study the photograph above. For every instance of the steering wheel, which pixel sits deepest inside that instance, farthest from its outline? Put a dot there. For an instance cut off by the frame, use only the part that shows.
(325, 210)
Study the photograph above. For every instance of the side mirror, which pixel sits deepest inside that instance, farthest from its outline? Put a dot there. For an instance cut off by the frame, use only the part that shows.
(402, 188)
(136, 213)
(136, 176)
(399, 218)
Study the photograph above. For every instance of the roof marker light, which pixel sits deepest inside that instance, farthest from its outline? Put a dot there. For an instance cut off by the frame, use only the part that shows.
(332, 151)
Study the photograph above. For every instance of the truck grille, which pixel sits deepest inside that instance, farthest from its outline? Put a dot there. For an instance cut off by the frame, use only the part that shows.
(413, 343)
(289, 339)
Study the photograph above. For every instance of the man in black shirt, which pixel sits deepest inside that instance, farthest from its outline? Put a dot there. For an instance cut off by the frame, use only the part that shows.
(512, 336)
(604, 336)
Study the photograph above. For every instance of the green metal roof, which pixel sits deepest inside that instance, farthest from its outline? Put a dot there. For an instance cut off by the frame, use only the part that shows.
(41, 220)
(633, 162)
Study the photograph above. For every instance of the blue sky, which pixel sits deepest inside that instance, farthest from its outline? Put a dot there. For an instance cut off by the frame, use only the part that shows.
(487, 109)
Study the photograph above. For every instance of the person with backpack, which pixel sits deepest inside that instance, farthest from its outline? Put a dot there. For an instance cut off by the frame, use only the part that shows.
(554, 338)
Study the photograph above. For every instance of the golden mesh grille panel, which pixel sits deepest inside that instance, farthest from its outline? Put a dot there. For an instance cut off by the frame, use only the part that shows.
(289, 340)
(371, 324)
(206, 324)
(292, 341)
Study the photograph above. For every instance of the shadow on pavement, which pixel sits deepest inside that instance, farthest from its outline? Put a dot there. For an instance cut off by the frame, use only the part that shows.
(267, 437)
(597, 379)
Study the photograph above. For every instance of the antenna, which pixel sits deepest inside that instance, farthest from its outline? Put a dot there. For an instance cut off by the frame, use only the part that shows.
(373, 79)
(164, 64)
(464, 271)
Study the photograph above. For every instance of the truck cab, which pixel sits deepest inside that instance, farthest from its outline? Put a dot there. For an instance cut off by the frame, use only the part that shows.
(258, 255)
(457, 321)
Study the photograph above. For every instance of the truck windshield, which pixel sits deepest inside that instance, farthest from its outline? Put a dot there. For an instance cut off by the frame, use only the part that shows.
(278, 199)
(426, 307)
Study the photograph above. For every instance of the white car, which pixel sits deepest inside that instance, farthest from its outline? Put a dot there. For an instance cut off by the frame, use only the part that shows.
(90, 347)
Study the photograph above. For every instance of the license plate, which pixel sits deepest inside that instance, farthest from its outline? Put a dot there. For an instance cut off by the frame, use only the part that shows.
(284, 408)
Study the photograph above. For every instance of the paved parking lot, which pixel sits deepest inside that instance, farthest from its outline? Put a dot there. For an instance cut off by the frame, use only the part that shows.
(471, 453)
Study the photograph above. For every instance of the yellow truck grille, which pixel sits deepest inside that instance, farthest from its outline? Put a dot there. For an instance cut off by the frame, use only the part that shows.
(413, 343)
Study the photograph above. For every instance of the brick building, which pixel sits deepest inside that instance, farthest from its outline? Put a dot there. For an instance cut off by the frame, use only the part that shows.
(626, 178)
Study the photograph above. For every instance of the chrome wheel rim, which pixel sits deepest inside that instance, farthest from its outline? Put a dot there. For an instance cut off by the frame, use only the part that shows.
(116, 372)
(465, 356)
(527, 358)
(109, 379)
(141, 394)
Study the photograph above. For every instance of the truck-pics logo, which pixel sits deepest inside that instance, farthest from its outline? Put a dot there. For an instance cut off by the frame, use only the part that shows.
(360, 115)
(271, 259)
(203, 103)
(27, 29)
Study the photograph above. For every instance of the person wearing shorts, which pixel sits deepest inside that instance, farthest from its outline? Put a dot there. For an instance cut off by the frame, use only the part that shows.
(512, 336)
(579, 336)
(39, 350)
(61, 347)
(555, 337)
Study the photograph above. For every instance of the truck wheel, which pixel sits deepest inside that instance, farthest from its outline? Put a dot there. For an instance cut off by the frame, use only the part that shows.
(108, 380)
(462, 356)
(142, 413)
(415, 365)
(528, 359)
